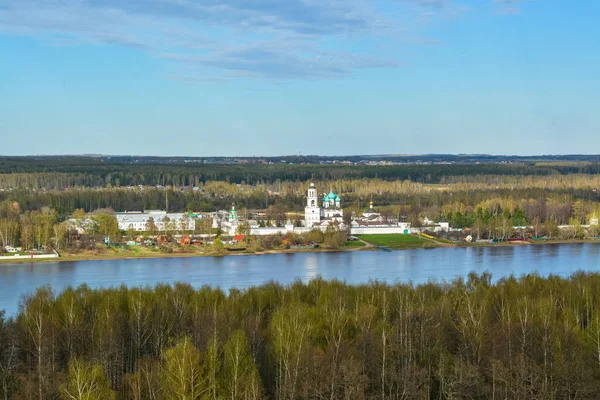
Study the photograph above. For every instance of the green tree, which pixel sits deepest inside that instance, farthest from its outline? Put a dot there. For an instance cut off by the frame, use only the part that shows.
(537, 226)
(551, 228)
(240, 378)
(130, 231)
(170, 225)
(243, 228)
(182, 375)
(60, 235)
(576, 229)
(78, 213)
(87, 382)
(289, 329)
(107, 225)
(30, 229)
(151, 227)
(46, 222)
(218, 247)
(518, 218)
(334, 238)
(204, 226)
(315, 236)
(38, 322)
(8, 358)
(166, 225)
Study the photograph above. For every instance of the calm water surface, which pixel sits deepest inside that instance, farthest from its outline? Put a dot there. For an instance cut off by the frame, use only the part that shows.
(417, 266)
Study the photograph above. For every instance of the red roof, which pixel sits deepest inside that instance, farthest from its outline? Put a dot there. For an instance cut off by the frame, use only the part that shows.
(238, 237)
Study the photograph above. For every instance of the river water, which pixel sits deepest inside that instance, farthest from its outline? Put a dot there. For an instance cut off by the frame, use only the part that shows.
(353, 267)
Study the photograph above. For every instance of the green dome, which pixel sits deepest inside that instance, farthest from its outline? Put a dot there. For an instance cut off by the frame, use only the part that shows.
(337, 199)
(324, 198)
(331, 195)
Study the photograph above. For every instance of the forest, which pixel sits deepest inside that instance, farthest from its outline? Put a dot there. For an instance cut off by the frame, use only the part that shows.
(58, 173)
(527, 337)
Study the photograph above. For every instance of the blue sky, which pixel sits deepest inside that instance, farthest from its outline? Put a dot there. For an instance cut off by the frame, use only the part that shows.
(272, 77)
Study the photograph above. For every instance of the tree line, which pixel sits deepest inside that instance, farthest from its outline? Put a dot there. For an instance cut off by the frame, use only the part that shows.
(528, 337)
(44, 228)
(215, 195)
(99, 173)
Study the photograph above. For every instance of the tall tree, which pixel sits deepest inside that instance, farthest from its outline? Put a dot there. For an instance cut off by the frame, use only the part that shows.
(241, 380)
(182, 374)
(87, 382)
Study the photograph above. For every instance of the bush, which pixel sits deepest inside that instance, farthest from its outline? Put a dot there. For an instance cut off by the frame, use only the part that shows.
(271, 242)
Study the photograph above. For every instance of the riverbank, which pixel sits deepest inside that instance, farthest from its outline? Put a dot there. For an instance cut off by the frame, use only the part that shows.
(527, 243)
(365, 244)
(124, 254)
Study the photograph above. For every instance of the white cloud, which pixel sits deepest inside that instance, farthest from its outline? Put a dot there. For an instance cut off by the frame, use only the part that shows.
(280, 39)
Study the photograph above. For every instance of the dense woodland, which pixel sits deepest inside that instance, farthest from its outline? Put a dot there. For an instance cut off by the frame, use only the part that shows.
(58, 173)
(535, 338)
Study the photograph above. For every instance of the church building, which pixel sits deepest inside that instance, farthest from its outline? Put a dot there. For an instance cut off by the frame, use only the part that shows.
(330, 211)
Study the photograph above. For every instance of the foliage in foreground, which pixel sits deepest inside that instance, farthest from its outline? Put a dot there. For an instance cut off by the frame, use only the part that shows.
(519, 338)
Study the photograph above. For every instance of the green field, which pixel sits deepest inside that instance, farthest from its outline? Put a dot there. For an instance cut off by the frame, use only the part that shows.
(354, 243)
(395, 241)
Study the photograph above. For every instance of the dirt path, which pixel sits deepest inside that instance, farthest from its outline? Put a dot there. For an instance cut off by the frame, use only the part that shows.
(367, 244)
(440, 244)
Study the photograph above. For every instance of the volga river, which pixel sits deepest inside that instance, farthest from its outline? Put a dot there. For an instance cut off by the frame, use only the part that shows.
(354, 267)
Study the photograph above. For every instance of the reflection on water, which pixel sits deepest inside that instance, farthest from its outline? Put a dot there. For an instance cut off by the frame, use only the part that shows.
(311, 265)
(418, 266)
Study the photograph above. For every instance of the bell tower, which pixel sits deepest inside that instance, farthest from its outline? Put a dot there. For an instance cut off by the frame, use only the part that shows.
(312, 212)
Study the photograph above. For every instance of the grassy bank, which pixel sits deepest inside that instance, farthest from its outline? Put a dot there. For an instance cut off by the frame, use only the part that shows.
(396, 241)
(353, 244)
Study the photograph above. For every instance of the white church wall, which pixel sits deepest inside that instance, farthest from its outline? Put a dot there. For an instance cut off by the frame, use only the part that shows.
(377, 230)
(280, 230)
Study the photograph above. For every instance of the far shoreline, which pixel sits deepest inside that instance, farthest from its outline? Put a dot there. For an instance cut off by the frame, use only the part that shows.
(90, 256)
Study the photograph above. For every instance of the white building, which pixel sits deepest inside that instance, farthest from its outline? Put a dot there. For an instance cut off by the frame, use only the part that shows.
(430, 225)
(227, 221)
(10, 249)
(163, 221)
(330, 212)
(82, 225)
(373, 223)
(312, 211)
(371, 213)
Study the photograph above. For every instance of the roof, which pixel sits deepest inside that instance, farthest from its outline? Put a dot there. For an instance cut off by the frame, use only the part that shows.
(331, 195)
(337, 198)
